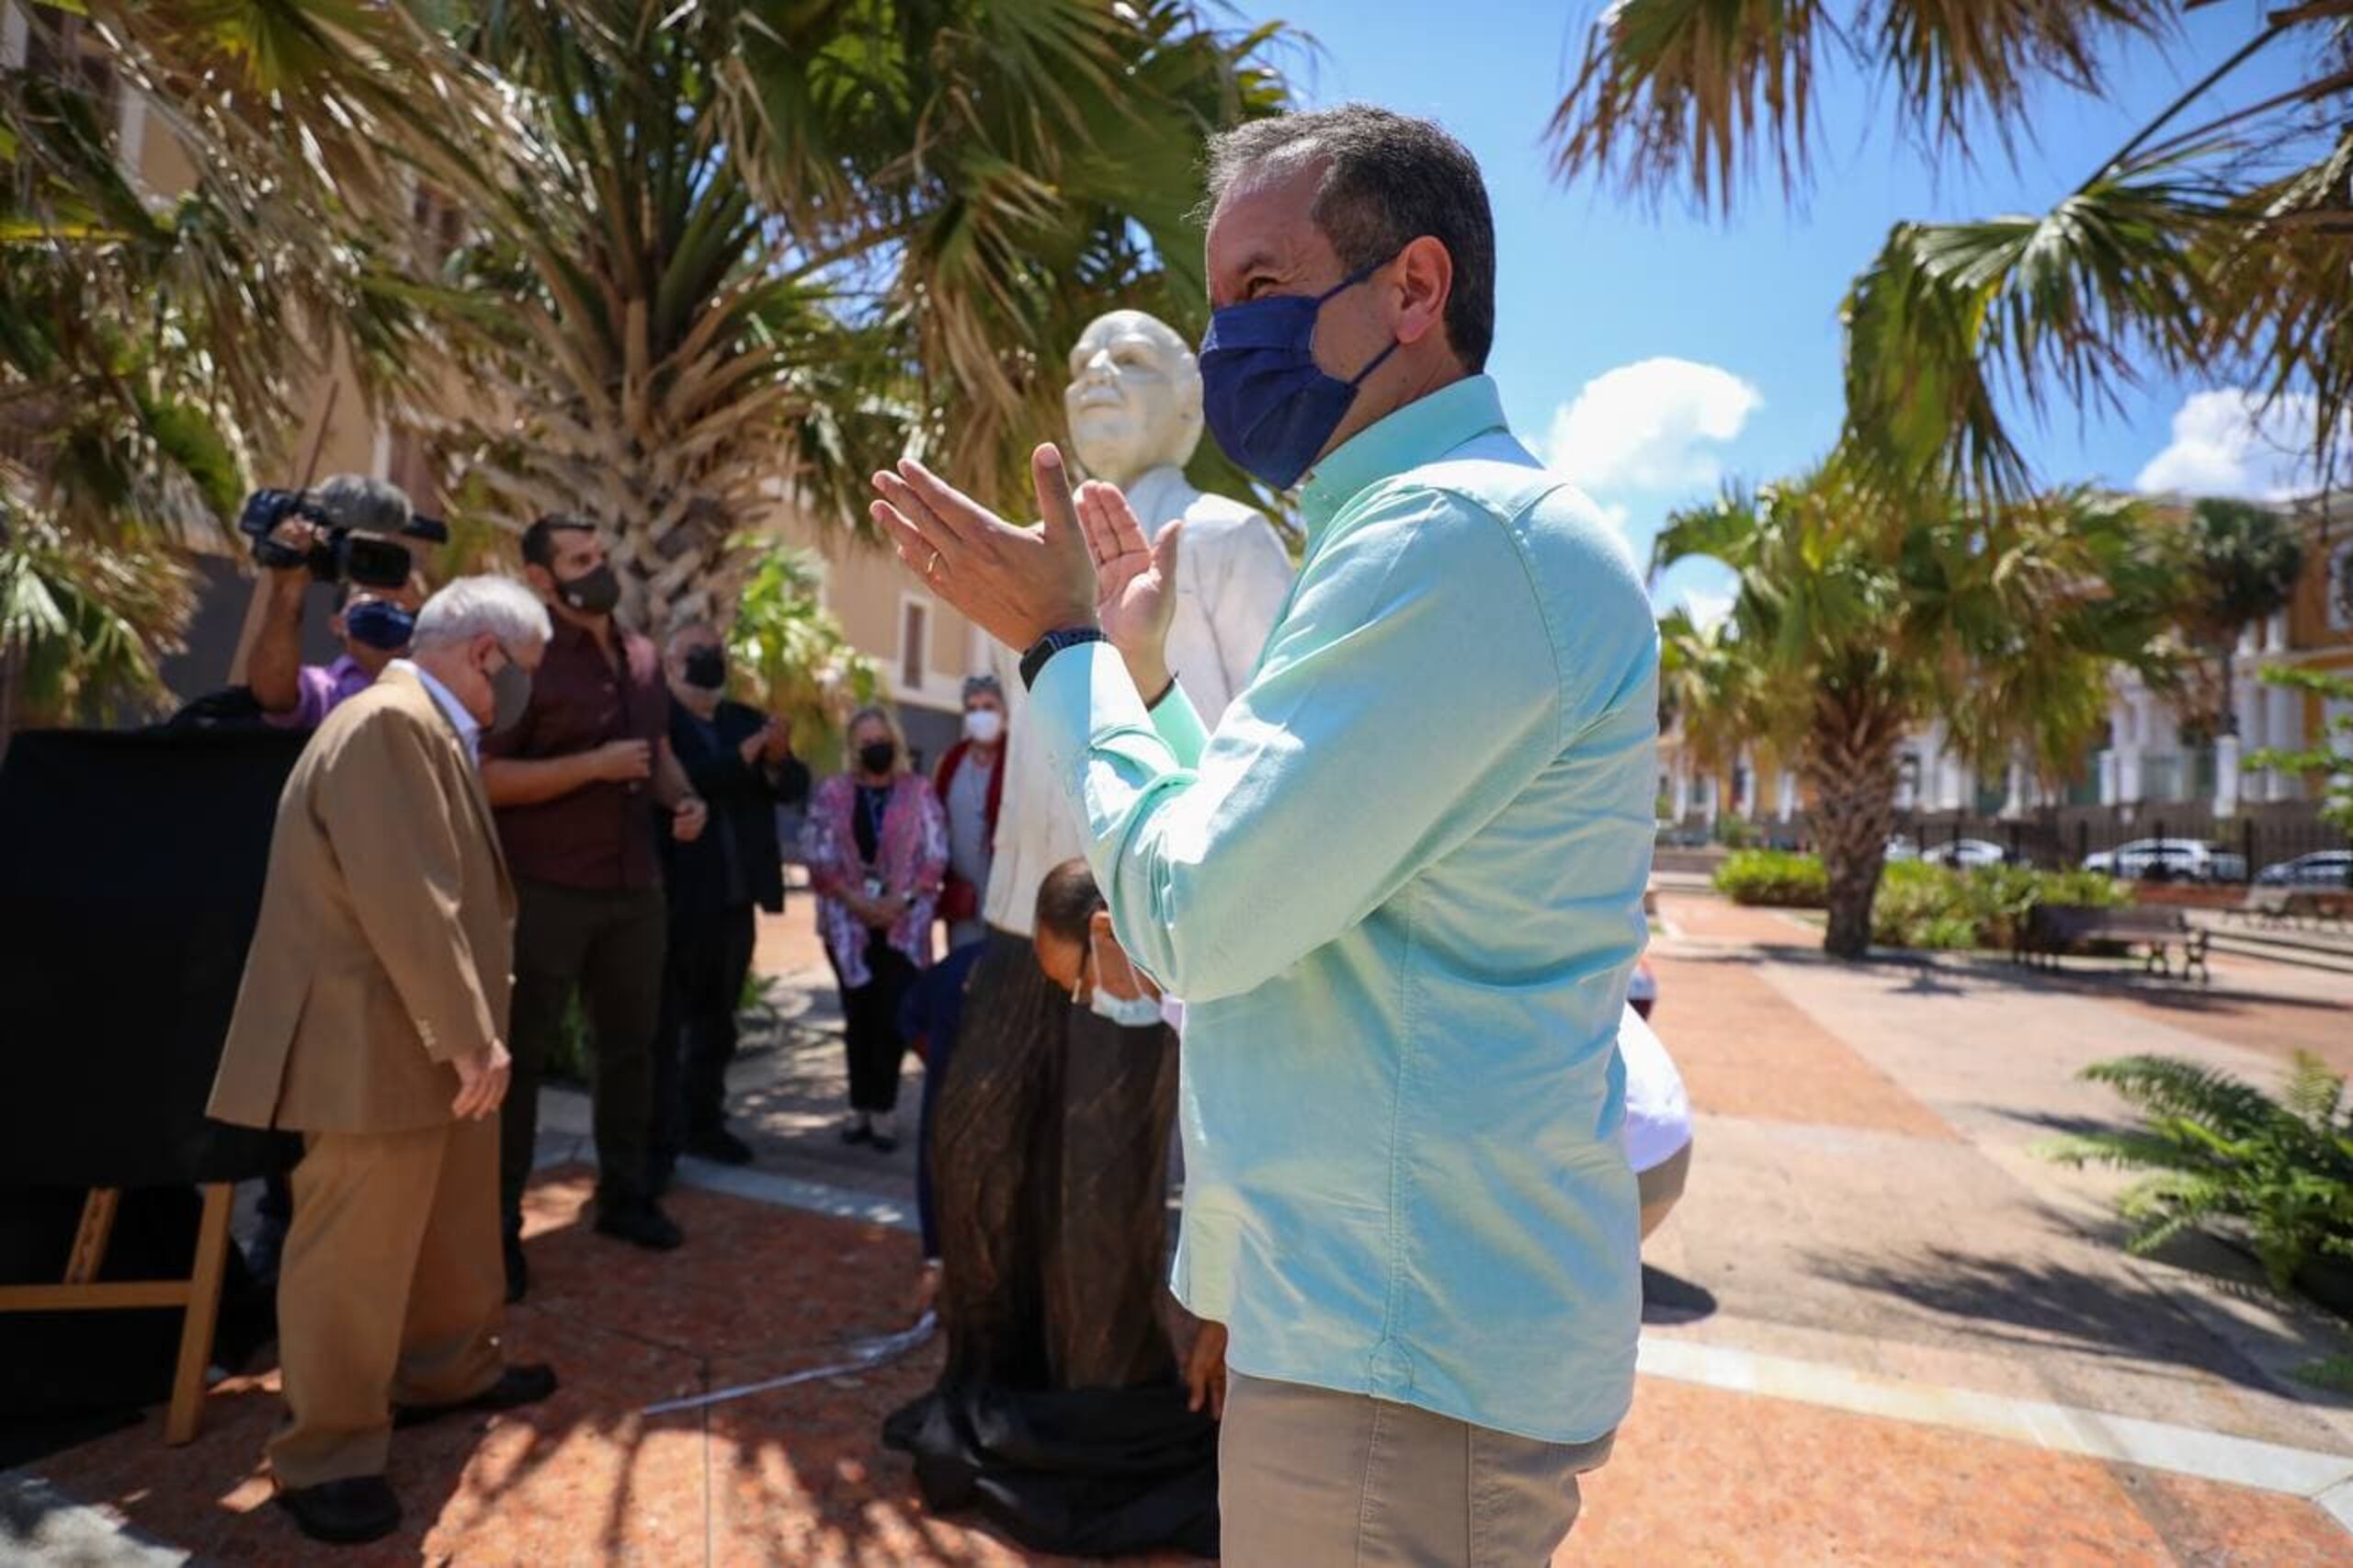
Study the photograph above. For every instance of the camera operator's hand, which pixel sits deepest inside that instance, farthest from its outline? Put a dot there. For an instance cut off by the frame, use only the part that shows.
(622, 762)
(481, 1082)
(299, 537)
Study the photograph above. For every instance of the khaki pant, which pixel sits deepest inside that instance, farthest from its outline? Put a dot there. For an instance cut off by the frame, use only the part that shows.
(1661, 1188)
(1310, 1478)
(391, 1288)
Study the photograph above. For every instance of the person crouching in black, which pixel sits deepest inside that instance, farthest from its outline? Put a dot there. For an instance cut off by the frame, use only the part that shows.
(740, 760)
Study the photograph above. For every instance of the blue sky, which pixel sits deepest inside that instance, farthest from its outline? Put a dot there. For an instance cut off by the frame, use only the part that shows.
(1703, 347)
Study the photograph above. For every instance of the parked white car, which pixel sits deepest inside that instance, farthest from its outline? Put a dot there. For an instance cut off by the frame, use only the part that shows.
(2321, 869)
(2169, 860)
(1966, 853)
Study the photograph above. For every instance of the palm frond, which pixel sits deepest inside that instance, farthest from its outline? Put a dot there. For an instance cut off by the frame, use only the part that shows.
(1701, 92)
(2161, 1086)
(2068, 305)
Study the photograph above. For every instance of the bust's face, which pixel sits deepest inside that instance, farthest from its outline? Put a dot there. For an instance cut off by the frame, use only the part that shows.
(1134, 398)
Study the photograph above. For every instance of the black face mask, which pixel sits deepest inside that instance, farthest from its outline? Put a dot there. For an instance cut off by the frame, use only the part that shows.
(878, 757)
(591, 593)
(707, 667)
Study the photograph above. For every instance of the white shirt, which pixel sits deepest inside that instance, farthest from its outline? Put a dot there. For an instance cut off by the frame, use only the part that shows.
(468, 730)
(1231, 579)
(1659, 1111)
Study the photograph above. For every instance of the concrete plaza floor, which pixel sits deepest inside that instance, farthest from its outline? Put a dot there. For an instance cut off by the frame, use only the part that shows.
(1881, 1327)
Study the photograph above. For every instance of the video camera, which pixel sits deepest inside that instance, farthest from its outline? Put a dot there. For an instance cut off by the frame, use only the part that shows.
(375, 561)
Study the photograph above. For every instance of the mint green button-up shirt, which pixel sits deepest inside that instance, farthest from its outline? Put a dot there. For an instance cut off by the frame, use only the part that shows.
(1400, 891)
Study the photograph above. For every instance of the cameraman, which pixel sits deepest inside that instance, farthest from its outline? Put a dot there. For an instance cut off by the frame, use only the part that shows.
(372, 623)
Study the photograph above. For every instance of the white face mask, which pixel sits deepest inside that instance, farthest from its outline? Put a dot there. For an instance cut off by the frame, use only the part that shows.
(983, 726)
(1136, 1012)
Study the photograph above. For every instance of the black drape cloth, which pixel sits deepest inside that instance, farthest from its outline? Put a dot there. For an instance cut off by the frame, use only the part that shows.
(1059, 1415)
(134, 869)
(131, 874)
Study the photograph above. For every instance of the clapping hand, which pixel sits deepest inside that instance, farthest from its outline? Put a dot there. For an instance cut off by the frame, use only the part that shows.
(1015, 584)
(1135, 582)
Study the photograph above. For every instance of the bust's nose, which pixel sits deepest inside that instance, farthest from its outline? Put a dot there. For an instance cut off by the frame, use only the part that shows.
(1098, 367)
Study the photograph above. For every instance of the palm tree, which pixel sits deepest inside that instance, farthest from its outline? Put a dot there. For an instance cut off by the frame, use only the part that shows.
(2214, 241)
(671, 266)
(1708, 696)
(1862, 613)
(2242, 562)
(729, 258)
(150, 350)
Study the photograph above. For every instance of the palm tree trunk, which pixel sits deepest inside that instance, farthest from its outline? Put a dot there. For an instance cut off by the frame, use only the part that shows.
(1851, 764)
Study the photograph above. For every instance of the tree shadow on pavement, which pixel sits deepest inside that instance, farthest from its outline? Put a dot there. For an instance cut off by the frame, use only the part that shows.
(2007, 1305)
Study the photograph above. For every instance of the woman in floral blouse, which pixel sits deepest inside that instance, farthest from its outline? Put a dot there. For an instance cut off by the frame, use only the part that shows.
(877, 848)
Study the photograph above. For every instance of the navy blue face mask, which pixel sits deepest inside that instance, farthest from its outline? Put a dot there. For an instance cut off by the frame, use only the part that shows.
(379, 623)
(1270, 406)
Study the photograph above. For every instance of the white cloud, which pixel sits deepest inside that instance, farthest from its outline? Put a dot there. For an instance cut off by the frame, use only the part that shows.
(1650, 426)
(1706, 606)
(2225, 443)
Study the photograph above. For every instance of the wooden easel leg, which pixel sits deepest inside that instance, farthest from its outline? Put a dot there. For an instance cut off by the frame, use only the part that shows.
(204, 1312)
(91, 1236)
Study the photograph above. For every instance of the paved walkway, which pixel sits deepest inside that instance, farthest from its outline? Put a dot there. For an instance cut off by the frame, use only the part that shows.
(1882, 1329)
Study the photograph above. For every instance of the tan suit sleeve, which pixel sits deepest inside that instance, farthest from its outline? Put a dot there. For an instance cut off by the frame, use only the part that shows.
(402, 845)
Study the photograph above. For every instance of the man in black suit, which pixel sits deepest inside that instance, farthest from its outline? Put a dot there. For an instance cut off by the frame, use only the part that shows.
(741, 761)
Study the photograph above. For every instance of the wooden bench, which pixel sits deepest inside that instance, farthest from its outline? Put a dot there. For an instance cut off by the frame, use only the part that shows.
(2051, 929)
(2275, 908)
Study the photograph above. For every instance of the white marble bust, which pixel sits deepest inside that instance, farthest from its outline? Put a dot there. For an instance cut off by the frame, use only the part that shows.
(1134, 406)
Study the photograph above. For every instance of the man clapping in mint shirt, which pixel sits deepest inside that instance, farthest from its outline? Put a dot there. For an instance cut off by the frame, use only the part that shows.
(1399, 887)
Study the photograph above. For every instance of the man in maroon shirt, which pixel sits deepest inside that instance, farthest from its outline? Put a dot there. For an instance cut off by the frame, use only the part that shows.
(574, 786)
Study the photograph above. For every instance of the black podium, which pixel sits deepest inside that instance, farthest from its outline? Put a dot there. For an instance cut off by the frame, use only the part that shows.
(131, 875)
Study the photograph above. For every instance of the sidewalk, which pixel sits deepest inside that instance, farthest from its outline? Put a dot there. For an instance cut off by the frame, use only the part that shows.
(1883, 1330)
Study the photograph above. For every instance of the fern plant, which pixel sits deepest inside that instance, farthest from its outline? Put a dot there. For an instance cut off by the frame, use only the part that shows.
(2216, 1148)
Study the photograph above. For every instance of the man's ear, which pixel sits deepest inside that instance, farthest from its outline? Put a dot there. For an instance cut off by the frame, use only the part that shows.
(543, 581)
(1426, 281)
(1099, 925)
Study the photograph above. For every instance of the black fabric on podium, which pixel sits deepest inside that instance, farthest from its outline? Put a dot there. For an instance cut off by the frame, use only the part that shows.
(131, 875)
(134, 865)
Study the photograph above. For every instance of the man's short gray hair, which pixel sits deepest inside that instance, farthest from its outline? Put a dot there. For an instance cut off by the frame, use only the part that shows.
(1390, 179)
(356, 500)
(471, 606)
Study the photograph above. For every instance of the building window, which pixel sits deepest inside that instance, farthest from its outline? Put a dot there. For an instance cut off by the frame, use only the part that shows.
(2340, 589)
(914, 643)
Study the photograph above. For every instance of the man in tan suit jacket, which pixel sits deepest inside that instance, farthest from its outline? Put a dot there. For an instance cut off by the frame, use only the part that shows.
(372, 1019)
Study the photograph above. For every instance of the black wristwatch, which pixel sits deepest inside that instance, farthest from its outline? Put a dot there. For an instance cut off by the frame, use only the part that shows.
(1053, 643)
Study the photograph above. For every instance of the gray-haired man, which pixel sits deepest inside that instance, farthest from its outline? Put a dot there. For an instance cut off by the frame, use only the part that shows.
(372, 1019)
(1399, 887)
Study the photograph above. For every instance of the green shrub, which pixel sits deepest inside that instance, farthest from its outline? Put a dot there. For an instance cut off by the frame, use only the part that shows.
(1921, 904)
(1774, 877)
(2216, 1148)
(1912, 895)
